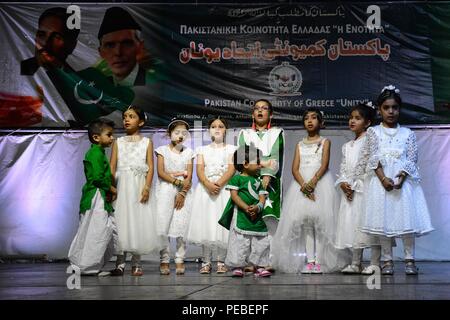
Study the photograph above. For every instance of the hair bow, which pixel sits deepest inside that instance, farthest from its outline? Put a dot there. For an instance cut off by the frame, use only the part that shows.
(391, 88)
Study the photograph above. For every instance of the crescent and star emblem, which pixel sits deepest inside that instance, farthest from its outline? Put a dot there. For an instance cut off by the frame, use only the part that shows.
(85, 101)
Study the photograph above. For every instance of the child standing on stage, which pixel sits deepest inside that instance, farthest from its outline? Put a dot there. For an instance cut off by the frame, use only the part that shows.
(306, 226)
(395, 203)
(243, 216)
(132, 168)
(173, 195)
(214, 169)
(93, 244)
(351, 185)
(270, 141)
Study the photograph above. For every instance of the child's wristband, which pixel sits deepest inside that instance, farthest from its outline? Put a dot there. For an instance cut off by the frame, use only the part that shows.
(260, 206)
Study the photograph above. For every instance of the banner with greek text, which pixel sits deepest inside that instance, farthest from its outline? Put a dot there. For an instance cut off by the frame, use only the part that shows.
(195, 61)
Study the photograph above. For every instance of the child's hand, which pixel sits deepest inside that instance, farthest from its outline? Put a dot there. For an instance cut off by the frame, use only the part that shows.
(401, 178)
(349, 195)
(303, 188)
(212, 187)
(388, 184)
(346, 188)
(252, 211)
(265, 181)
(179, 201)
(111, 194)
(145, 195)
(187, 184)
(311, 196)
(310, 186)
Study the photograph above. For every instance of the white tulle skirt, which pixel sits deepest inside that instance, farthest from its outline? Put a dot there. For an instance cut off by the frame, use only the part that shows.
(298, 213)
(349, 220)
(136, 225)
(207, 209)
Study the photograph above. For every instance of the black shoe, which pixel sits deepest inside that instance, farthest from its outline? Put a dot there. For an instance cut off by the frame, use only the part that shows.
(410, 268)
(117, 272)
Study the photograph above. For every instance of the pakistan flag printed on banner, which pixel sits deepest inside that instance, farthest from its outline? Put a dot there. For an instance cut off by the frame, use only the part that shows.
(89, 94)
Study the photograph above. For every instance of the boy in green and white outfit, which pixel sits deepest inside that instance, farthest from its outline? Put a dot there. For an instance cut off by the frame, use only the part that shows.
(243, 216)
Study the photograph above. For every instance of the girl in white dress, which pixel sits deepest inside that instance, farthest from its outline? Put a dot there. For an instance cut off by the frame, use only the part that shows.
(173, 194)
(132, 169)
(214, 169)
(351, 185)
(395, 203)
(306, 225)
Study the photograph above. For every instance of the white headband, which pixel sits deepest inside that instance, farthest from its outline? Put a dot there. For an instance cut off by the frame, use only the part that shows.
(178, 120)
(370, 104)
(391, 88)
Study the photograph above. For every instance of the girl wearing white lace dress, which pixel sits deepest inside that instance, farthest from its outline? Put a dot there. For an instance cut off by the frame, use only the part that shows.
(351, 187)
(306, 225)
(173, 194)
(395, 203)
(214, 169)
(132, 168)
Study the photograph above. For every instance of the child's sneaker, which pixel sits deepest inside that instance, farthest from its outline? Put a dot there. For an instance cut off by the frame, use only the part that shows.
(270, 269)
(238, 273)
(117, 272)
(179, 268)
(261, 272)
(249, 269)
(308, 269)
(206, 269)
(164, 269)
(317, 269)
(388, 268)
(352, 269)
(221, 268)
(137, 271)
(410, 268)
(369, 270)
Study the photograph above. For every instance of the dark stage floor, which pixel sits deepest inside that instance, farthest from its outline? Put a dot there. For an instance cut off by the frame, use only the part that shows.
(48, 281)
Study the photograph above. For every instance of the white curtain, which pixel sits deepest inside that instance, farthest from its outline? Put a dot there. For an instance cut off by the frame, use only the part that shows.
(41, 176)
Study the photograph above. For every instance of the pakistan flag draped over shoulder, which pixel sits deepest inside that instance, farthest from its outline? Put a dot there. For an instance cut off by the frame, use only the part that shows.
(271, 144)
(89, 94)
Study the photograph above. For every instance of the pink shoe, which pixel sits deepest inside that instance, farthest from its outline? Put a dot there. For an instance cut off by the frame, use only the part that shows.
(309, 268)
(238, 273)
(261, 272)
(317, 268)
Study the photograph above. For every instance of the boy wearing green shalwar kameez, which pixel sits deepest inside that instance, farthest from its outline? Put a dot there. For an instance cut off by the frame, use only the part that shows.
(243, 216)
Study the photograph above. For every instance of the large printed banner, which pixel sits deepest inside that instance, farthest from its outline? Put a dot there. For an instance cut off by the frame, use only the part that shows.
(66, 65)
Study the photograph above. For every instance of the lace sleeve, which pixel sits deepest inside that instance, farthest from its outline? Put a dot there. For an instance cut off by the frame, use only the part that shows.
(343, 172)
(363, 159)
(412, 155)
(373, 157)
